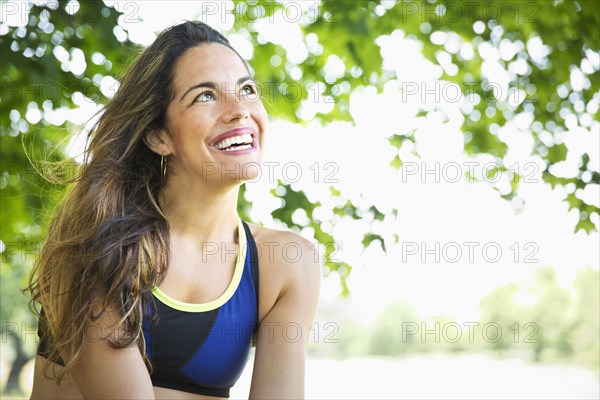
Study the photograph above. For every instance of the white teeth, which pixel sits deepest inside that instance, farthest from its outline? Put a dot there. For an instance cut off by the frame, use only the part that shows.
(245, 138)
(242, 147)
(223, 143)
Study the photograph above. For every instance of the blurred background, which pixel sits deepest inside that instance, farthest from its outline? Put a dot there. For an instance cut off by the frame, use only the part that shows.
(444, 154)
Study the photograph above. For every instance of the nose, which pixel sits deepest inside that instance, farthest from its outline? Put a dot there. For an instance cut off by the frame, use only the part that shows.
(235, 108)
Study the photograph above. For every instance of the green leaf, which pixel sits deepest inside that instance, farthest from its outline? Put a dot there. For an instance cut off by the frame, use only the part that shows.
(397, 140)
(370, 237)
(586, 225)
(377, 215)
(396, 162)
(557, 153)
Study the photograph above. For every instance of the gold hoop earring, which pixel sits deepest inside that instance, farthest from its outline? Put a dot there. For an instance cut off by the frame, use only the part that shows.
(163, 166)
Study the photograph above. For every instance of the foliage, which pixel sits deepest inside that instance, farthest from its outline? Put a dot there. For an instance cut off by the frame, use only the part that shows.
(387, 336)
(586, 317)
(554, 322)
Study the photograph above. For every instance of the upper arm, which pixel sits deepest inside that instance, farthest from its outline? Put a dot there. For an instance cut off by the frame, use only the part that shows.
(104, 372)
(284, 332)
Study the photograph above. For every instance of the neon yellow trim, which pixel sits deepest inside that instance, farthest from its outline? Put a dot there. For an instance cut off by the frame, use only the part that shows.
(222, 299)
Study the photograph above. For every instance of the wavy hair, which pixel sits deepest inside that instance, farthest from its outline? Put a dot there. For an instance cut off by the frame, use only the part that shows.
(108, 242)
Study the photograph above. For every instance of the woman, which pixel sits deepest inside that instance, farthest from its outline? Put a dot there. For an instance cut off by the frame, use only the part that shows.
(149, 283)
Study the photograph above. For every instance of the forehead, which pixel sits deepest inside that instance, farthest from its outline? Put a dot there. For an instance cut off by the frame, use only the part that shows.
(208, 62)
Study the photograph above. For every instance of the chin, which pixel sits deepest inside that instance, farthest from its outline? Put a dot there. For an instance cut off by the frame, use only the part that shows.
(251, 170)
(236, 172)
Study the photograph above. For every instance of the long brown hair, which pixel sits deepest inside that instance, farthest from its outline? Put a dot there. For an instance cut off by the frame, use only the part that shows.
(108, 243)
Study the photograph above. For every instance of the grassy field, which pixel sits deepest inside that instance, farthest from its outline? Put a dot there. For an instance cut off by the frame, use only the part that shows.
(468, 376)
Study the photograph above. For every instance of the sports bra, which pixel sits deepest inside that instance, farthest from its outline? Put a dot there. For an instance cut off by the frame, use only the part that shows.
(203, 348)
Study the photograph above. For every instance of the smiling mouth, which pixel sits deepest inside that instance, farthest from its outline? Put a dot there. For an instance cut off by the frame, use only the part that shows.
(239, 142)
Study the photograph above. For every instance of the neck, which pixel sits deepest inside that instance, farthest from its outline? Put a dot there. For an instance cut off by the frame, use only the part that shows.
(201, 213)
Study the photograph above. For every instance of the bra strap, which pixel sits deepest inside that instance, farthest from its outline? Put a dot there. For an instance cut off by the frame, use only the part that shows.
(253, 257)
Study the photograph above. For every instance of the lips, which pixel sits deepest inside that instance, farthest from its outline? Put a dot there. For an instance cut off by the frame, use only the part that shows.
(236, 141)
(235, 132)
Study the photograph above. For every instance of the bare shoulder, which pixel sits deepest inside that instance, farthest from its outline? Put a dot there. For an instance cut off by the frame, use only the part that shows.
(285, 248)
(288, 262)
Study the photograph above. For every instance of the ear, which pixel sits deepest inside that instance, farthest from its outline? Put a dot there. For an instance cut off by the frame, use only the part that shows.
(158, 141)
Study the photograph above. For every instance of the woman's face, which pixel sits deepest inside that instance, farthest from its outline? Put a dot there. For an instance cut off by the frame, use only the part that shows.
(215, 121)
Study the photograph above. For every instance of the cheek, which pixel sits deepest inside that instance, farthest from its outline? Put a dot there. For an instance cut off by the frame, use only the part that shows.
(190, 127)
(261, 116)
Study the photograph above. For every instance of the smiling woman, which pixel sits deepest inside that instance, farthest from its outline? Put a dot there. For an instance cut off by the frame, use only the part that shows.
(150, 284)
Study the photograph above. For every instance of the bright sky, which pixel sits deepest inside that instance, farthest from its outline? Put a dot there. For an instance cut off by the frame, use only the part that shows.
(443, 213)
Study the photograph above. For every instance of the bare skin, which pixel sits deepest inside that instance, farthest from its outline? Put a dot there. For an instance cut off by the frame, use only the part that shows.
(202, 209)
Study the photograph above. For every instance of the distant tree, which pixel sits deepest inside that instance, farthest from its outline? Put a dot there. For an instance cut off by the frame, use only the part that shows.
(586, 317)
(392, 332)
(544, 322)
(499, 309)
(550, 313)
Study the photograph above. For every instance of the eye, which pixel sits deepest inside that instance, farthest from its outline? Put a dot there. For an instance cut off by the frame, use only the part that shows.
(249, 90)
(204, 97)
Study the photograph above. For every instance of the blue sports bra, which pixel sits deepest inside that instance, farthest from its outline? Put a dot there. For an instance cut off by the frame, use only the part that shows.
(203, 348)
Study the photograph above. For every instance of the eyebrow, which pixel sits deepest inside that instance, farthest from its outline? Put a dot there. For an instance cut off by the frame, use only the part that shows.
(213, 85)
